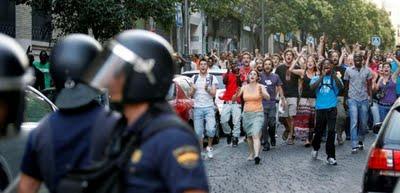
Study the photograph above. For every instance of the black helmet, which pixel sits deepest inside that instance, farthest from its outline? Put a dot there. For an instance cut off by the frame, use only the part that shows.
(145, 61)
(14, 77)
(70, 57)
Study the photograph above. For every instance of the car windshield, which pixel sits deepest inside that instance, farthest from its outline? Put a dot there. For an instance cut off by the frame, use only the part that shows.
(392, 132)
(36, 107)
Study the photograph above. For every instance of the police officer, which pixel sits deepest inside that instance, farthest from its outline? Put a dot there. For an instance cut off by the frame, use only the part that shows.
(14, 77)
(139, 71)
(71, 137)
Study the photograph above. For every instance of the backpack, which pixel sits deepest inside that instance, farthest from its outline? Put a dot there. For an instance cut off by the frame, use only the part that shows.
(330, 85)
(107, 176)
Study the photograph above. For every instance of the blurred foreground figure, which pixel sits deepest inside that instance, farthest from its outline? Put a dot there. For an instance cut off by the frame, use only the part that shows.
(163, 153)
(75, 136)
(14, 77)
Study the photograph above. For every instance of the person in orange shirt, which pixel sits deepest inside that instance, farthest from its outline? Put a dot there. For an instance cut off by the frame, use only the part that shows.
(253, 113)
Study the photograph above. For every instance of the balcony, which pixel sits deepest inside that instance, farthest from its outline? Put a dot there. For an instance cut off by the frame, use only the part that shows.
(8, 29)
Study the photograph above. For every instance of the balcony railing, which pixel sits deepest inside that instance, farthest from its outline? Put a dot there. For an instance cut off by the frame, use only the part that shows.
(42, 33)
(8, 29)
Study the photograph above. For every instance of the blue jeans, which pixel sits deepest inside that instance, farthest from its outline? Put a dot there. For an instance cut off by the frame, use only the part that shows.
(383, 111)
(204, 116)
(358, 114)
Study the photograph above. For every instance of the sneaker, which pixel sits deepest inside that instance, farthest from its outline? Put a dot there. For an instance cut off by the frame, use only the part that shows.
(210, 152)
(228, 139)
(331, 161)
(354, 150)
(314, 154)
(235, 142)
(360, 145)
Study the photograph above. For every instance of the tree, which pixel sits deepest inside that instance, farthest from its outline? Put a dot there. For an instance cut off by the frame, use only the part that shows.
(104, 18)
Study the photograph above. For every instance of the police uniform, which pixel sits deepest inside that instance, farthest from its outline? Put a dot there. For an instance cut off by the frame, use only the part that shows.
(62, 141)
(169, 161)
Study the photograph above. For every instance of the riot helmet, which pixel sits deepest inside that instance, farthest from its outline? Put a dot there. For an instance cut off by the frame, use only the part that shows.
(15, 75)
(140, 64)
(69, 59)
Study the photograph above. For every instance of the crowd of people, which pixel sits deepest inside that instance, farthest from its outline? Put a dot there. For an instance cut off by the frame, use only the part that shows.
(318, 93)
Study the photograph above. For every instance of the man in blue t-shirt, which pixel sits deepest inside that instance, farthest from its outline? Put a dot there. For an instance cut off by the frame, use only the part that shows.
(326, 87)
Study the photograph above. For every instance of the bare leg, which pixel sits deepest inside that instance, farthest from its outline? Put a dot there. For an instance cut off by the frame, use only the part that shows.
(256, 144)
(251, 149)
(210, 141)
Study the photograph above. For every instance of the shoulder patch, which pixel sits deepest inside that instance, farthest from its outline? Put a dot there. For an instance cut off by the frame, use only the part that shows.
(187, 156)
(136, 156)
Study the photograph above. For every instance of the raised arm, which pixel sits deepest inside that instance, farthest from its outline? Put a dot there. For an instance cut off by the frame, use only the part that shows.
(299, 72)
(395, 75)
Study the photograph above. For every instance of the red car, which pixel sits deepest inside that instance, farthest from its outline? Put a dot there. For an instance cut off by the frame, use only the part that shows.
(178, 97)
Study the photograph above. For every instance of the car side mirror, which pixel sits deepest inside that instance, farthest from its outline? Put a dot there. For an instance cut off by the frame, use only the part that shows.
(377, 127)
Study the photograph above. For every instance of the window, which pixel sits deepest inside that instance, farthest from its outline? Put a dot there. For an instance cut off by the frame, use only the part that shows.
(392, 132)
(7, 18)
(41, 26)
(36, 107)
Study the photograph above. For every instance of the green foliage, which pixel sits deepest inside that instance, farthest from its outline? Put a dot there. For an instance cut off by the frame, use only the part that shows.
(353, 20)
(105, 18)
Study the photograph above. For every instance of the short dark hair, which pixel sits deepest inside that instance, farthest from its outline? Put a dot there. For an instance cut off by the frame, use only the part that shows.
(288, 50)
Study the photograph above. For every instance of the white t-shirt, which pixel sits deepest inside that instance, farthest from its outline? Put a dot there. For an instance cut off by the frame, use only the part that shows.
(201, 96)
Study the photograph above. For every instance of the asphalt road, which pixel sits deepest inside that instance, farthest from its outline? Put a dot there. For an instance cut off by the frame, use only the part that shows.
(286, 168)
(283, 169)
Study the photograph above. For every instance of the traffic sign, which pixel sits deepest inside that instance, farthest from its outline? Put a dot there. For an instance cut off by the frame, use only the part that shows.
(178, 15)
(376, 41)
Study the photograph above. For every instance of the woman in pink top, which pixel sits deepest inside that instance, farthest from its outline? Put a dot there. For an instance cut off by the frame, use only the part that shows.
(253, 113)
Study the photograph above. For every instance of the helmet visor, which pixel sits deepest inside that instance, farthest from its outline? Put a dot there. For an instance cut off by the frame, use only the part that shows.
(113, 62)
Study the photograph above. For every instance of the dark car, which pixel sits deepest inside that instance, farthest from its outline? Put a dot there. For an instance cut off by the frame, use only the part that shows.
(178, 98)
(11, 150)
(383, 167)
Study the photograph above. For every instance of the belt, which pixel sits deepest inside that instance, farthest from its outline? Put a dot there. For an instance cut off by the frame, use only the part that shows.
(230, 102)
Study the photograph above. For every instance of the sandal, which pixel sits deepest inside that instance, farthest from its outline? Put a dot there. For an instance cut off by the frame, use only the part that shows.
(290, 141)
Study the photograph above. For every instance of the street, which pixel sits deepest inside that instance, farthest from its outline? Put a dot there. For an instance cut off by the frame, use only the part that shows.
(286, 169)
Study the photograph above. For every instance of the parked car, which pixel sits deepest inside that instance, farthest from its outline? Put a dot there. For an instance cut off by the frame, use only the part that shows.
(11, 150)
(383, 167)
(178, 98)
